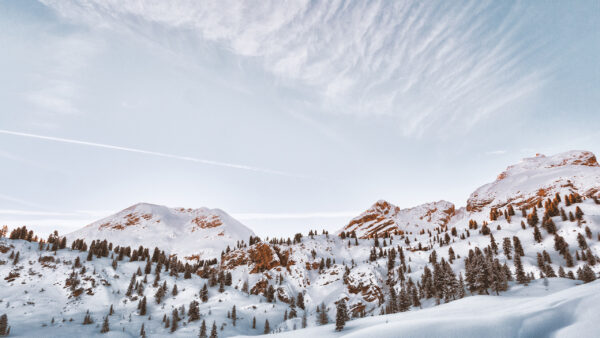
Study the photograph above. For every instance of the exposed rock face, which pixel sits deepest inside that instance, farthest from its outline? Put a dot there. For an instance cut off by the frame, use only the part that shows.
(540, 177)
(364, 280)
(384, 217)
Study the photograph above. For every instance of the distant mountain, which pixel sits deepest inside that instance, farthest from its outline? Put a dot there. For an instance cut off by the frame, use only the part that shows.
(540, 177)
(383, 217)
(199, 232)
(429, 255)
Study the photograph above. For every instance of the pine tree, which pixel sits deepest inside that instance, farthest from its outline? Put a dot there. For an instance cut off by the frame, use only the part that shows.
(520, 273)
(341, 315)
(507, 247)
(202, 330)
(105, 327)
(537, 235)
(87, 319)
(234, 315)
(160, 293)
(142, 306)
(175, 321)
(518, 248)
(586, 274)
(142, 331)
(213, 330)
(194, 311)
(267, 328)
(204, 294)
(323, 318)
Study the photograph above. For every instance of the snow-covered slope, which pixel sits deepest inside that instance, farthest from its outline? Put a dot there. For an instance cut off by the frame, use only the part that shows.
(559, 309)
(187, 232)
(383, 217)
(540, 177)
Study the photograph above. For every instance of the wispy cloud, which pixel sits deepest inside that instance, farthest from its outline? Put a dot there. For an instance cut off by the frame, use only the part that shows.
(152, 153)
(429, 66)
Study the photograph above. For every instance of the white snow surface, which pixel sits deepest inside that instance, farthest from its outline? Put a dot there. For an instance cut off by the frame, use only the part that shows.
(560, 309)
(204, 232)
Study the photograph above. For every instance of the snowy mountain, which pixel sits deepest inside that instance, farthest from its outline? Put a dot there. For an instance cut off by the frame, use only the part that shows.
(384, 217)
(537, 178)
(497, 269)
(202, 232)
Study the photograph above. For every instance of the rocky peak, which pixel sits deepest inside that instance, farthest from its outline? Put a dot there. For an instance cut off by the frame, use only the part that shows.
(539, 177)
(383, 217)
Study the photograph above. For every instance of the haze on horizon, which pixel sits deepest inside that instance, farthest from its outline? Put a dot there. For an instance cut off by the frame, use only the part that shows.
(290, 117)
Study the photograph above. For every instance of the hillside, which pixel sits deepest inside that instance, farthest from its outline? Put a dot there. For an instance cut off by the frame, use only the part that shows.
(430, 270)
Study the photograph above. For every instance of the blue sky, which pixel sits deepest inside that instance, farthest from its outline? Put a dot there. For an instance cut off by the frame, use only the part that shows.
(290, 115)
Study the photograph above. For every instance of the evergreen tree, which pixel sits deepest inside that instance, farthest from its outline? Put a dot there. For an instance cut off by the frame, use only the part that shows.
(143, 306)
(105, 327)
(323, 318)
(586, 274)
(202, 330)
(4, 328)
(507, 247)
(520, 273)
(304, 323)
(267, 328)
(234, 315)
(204, 294)
(341, 315)
(537, 235)
(518, 248)
(160, 293)
(213, 330)
(142, 331)
(175, 320)
(87, 319)
(194, 311)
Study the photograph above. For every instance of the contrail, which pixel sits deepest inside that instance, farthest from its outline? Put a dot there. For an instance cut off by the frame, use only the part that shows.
(148, 152)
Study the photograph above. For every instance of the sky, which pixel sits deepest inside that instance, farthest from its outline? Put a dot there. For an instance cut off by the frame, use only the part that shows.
(290, 115)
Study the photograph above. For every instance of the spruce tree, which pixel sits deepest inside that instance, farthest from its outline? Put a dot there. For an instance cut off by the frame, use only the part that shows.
(194, 311)
(267, 329)
(213, 331)
(175, 321)
(234, 315)
(507, 247)
(520, 273)
(204, 294)
(142, 331)
(323, 318)
(105, 327)
(537, 235)
(341, 315)
(202, 330)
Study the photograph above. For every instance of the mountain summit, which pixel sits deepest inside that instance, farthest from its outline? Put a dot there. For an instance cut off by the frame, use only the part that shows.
(199, 232)
(540, 177)
(384, 217)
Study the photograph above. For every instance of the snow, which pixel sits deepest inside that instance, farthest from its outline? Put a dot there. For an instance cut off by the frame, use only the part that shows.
(384, 216)
(564, 173)
(186, 232)
(559, 310)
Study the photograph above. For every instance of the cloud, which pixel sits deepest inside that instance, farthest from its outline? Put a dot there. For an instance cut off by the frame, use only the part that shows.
(428, 66)
(152, 153)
